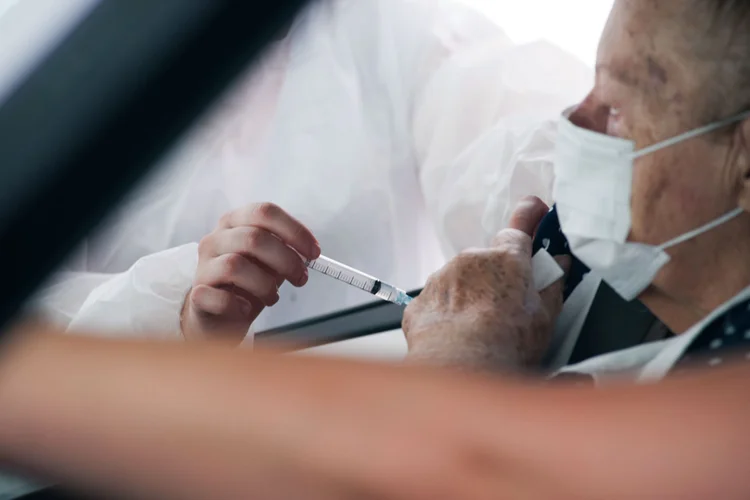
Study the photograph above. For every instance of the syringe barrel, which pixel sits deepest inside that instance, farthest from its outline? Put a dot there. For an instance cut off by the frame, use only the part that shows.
(344, 273)
(353, 277)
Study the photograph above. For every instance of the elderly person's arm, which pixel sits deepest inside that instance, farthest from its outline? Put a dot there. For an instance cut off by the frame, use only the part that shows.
(195, 290)
(482, 311)
(182, 421)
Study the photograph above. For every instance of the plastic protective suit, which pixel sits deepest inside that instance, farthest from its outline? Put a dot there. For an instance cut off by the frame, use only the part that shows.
(399, 131)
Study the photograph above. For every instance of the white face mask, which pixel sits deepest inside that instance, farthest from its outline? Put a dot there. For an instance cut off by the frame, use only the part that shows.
(592, 190)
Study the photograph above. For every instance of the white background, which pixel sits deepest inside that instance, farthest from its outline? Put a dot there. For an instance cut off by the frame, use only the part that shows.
(574, 25)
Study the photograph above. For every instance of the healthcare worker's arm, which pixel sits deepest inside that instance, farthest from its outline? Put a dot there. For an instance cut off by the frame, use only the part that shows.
(217, 286)
(146, 420)
(129, 278)
(483, 125)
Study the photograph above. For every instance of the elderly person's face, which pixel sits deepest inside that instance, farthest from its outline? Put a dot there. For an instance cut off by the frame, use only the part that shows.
(657, 77)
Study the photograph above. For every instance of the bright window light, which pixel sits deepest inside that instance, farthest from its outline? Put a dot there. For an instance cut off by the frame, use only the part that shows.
(574, 25)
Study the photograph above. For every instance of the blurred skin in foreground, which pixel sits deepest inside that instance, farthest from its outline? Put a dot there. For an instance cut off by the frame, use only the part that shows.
(143, 420)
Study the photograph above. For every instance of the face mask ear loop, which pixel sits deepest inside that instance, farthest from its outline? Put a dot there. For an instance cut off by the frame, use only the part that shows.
(689, 135)
(703, 229)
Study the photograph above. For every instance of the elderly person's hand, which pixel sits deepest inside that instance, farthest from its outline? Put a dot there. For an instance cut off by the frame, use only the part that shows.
(481, 311)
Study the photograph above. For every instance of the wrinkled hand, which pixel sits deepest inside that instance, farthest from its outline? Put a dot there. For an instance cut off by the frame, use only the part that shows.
(481, 310)
(241, 266)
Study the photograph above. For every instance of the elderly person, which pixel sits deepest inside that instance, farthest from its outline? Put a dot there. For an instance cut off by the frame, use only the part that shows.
(344, 430)
(652, 188)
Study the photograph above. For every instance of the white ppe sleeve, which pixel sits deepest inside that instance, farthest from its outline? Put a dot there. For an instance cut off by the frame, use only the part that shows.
(129, 279)
(484, 127)
(144, 300)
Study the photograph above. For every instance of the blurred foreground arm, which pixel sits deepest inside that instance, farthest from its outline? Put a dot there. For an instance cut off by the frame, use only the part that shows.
(182, 421)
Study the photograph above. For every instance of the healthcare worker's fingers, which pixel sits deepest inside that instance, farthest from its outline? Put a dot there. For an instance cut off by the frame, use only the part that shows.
(218, 314)
(275, 220)
(261, 246)
(528, 214)
(234, 270)
(212, 301)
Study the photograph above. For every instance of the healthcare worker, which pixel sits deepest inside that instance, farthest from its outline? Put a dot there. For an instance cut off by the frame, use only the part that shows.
(398, 131)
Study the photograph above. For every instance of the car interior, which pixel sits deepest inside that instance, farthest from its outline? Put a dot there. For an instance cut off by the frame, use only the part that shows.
(63, 121)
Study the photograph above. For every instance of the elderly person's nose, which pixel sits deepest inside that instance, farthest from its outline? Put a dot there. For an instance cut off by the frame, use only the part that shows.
(591, 115)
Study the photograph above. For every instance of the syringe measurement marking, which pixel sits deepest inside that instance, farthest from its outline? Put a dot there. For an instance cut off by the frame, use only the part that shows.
(384, 294)
(324, 268)
(319, 266)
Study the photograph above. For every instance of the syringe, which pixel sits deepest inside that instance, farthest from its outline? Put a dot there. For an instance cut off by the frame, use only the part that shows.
(358, 279)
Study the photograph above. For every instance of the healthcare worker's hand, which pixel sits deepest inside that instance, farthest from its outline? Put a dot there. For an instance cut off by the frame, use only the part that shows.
(481, 311)
(241, 266)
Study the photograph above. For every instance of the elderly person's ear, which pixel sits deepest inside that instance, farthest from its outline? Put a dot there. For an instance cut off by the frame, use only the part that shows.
(743, 161)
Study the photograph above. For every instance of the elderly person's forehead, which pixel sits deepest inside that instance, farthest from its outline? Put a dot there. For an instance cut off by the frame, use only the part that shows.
(641, 34)
(646, 46)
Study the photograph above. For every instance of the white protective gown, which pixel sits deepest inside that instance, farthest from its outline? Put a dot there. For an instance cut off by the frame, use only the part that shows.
(399, 131)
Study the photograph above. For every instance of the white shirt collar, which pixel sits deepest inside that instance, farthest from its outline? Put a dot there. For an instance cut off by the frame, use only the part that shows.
(649, 362)
(658, 367)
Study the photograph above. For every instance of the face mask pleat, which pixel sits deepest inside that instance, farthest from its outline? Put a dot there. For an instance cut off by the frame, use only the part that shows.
(594, 225)
(591, 186)
(605, 202)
